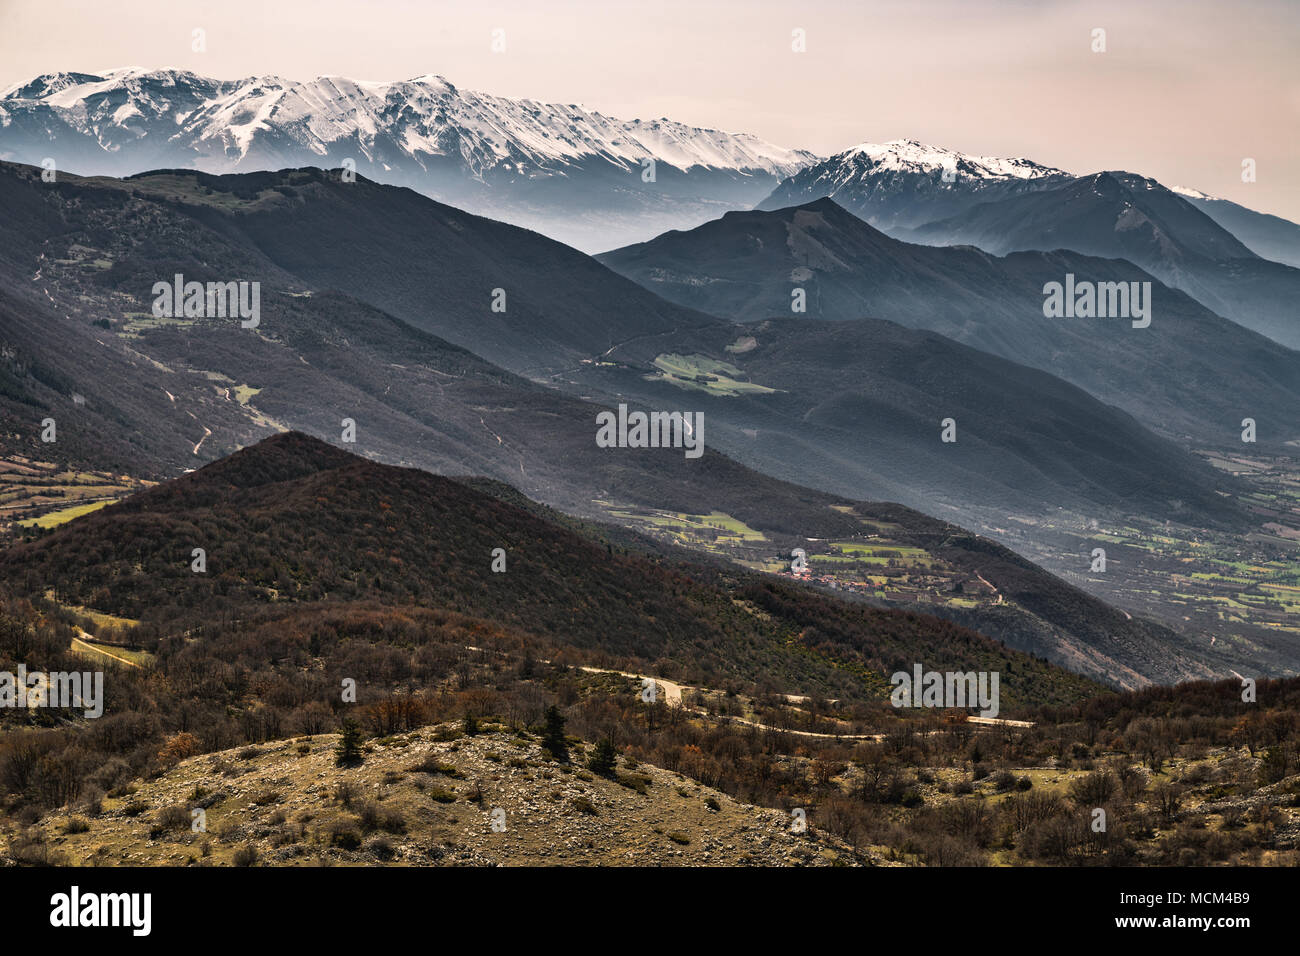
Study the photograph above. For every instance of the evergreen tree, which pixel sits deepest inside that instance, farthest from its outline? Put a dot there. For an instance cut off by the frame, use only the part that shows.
(349, 749)
(603, 759)
(553, 738)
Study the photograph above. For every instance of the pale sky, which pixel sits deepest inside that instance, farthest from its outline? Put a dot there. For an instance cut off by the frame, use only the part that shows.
(1184, 92)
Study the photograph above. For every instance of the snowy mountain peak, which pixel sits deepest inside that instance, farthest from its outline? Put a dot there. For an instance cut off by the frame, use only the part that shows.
(907, 155)
(903, 184)
(1191, 193)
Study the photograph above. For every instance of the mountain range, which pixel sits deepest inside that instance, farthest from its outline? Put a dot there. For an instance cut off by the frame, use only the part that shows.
(573, 173)
(1270, 237)
(809, 410)
(597, 182)
(457, 343)
(1191, 375)
(1237, 262)
(1124, 216)
(152, 396)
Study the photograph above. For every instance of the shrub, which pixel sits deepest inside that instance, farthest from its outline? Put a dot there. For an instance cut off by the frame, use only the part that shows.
(380, 846)
(634, 781)
(344, 835)
(177, 747)
(1276, 764)
(1057, 839)
(369, 815)
(1094, 790)
(172, 818)
(583, 805)
(32, 849)
(392, 821)
(431, 764)
(1167, 799)
(246, 855)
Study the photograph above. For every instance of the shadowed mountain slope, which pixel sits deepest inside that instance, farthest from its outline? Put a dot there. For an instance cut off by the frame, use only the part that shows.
(294, 520)
(1191, 374)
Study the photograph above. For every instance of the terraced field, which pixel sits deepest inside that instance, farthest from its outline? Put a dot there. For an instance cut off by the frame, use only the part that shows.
(717, 532)
(874, 565)
(37, 494)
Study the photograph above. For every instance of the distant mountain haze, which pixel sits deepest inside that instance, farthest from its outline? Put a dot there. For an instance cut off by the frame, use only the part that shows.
(1190, 375)
(1189, 241)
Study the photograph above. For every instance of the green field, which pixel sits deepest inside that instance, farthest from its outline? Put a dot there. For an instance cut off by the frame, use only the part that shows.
(96, 651)
(716, 528)
(42, 494)
(706, 375)
(53, 519)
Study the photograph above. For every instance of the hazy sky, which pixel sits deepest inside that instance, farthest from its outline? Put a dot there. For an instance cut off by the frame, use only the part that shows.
(1185, 90)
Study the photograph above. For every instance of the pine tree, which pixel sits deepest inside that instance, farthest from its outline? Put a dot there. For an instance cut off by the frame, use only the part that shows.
(553, 738)
(349, 749)
(603, 759)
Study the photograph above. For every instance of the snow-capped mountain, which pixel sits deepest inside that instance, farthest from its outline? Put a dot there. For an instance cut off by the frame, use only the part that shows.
(909, 156)
(570, 172)
(902, 184)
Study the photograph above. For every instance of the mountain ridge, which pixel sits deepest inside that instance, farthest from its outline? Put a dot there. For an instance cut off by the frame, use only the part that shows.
(1125, 215)
(745, 266)
(293, 521)
(573, 173)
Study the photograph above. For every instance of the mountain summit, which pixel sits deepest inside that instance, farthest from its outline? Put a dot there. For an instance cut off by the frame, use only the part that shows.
(902, 184)
(910, 156)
